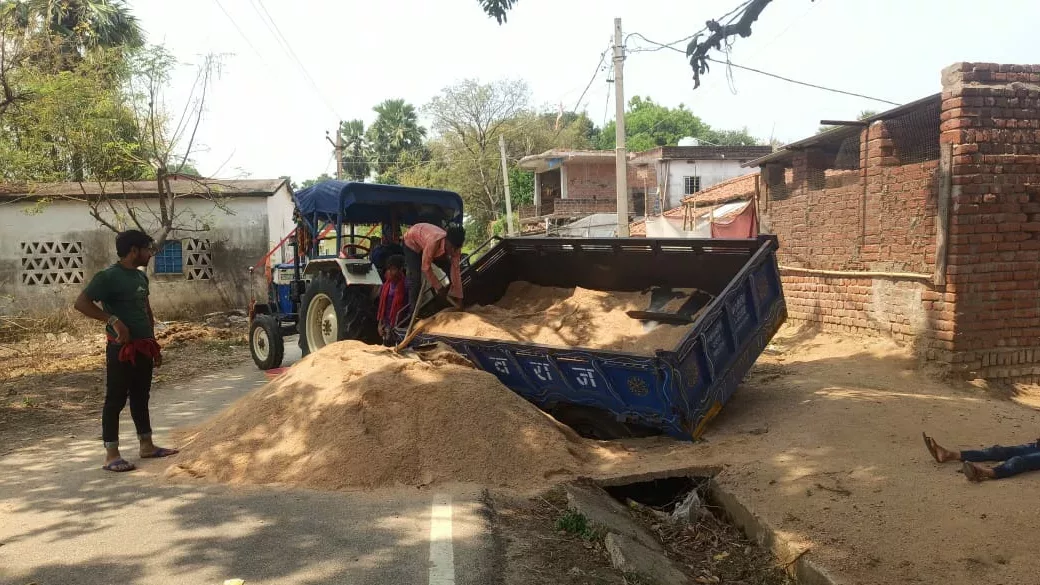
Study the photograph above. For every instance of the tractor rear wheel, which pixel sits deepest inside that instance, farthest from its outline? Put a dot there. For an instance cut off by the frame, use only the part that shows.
(266, 344)
(331, 311)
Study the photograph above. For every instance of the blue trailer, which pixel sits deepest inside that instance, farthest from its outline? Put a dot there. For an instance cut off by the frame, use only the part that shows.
(609, 394)
(328, 297)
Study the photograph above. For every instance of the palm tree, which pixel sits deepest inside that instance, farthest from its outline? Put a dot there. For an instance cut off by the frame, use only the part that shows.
(395, 132)
(80, 25)
(355, 150)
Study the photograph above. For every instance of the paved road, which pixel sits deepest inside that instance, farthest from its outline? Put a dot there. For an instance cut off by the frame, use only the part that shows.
(63, 521)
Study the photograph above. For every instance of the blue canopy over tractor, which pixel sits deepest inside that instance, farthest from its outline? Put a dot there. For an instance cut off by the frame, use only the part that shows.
(366, 203)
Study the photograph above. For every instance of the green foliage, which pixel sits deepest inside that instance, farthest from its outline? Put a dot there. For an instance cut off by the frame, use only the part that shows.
(355, 150)
(319, 179)
(497, 9)
(521, 187)
(577, 524)
(75, 126)
(649, 125)
(396, 134)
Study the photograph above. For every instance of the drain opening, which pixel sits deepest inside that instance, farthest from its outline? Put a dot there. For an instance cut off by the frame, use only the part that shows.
(662, 494)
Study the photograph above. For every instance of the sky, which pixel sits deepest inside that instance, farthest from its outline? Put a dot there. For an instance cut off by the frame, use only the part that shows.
(268, 111)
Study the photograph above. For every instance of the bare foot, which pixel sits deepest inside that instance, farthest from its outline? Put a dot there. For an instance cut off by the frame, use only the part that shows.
(977, 473)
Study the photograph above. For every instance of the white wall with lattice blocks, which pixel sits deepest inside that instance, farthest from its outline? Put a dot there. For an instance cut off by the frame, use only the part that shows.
(51, 262)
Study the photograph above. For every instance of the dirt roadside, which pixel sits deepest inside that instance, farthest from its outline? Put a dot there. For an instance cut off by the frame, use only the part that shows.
(50, 383)
(824, 441)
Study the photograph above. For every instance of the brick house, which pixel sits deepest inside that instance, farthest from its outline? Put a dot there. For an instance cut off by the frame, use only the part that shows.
(570, 185)
(921, 223)
(683, 171)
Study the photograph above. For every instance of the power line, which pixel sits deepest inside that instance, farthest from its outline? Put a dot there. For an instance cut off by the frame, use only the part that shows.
(672, 44)
(283, 43)
(595, 74)
(806, 84)
(759, 71)
(239, 29)
(606, 105)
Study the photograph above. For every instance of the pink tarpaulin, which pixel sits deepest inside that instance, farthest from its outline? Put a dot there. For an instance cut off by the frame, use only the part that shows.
(741, 225)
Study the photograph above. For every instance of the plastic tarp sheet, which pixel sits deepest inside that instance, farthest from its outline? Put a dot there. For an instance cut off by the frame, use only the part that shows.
(706, 222)
(366, 203)
(743, 224)
(672, 227)
(597, 225)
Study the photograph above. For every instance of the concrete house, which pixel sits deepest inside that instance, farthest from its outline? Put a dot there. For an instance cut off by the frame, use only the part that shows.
(682, 171)
(50, 246)
(572, 185)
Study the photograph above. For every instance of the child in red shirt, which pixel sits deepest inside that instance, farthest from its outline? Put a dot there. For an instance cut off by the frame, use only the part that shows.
(393, 297)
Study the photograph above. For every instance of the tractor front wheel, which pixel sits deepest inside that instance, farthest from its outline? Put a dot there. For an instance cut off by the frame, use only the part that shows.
(266, 344)
(331, 311)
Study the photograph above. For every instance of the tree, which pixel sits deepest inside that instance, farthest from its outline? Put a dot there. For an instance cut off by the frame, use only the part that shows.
(649, 125)
(468, 118)
(75, 27)
(67, 126)
(395, 132)
(164, 148)
(319, 179)
(355, 150)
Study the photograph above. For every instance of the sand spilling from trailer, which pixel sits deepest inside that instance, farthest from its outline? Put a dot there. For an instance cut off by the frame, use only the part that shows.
(357, 416)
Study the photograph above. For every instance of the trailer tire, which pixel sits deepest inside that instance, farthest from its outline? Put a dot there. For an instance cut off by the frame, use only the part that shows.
(346, 312)
(266, 344)
(591, 423)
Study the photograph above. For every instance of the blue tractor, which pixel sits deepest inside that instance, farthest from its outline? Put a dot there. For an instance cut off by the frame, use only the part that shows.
(329, 290)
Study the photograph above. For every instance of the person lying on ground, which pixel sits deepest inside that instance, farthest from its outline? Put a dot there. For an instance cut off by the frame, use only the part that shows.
(132, 352)
(1016, 459)
(426, 244)
(392, 297)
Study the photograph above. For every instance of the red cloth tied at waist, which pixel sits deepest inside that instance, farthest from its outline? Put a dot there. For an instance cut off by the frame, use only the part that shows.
(129, 351)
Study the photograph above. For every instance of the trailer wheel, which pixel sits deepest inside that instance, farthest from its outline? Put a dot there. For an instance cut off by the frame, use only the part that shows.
(266, 344)
(331, 311)
(591, 423)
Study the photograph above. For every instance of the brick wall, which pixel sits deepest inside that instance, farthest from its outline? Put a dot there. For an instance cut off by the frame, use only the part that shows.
(850, 221)
(991, 117)
(591, 181)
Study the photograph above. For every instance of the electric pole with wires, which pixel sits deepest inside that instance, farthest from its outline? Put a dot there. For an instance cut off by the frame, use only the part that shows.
(337, 147)
(621, 152)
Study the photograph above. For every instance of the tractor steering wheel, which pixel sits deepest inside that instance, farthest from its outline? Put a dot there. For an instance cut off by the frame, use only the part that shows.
(354, 248)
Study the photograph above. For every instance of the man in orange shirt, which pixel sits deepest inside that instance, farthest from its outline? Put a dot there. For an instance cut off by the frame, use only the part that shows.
(425, 245)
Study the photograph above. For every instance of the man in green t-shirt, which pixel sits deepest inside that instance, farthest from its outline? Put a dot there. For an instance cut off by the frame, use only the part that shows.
(132, 352)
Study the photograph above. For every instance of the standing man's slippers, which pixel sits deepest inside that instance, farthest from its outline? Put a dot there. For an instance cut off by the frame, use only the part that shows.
(119, 465)
(160, 452)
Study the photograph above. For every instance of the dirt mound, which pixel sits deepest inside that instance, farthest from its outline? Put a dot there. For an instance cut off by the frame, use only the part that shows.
(353, 415)
(573, 317)
(180, 332)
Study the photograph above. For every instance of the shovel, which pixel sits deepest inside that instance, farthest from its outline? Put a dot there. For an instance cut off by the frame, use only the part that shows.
(409, 333)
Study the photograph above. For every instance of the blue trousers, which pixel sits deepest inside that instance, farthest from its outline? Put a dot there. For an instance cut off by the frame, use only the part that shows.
(1015, 459)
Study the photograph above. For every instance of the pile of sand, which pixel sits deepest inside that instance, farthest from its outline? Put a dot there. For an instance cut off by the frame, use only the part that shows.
(571, 317)
(353, 415)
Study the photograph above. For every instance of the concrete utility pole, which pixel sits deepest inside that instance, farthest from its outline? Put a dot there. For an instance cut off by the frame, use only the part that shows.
(622, 154)
(339, 153)
(337, 147)
(505, 181)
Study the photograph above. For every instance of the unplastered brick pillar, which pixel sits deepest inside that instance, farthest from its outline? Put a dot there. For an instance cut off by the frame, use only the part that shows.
(991, 119)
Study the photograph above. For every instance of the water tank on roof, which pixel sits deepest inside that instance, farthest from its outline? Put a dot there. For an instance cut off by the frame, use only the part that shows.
(689, 141)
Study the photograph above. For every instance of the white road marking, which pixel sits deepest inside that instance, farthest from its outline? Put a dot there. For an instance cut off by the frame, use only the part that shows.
(442, 555)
